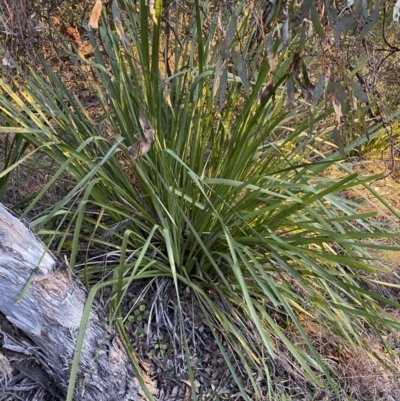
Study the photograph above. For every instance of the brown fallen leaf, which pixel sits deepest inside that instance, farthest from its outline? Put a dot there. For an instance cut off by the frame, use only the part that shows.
(95, 15)
(337, 107)
(187, 394)
(147, 130)
(142, 146)
(189, 383)
(146, 144)
(6, 60)
(139, 148)
(134, 150)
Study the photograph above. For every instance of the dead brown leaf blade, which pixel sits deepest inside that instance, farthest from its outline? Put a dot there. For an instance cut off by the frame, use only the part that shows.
(118, 23)
(142, 146)
(95, 15)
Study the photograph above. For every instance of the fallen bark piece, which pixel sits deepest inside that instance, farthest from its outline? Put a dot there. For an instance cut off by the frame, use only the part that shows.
(50, 315)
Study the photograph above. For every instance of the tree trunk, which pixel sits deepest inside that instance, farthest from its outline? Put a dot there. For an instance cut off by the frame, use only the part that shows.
(50, 315)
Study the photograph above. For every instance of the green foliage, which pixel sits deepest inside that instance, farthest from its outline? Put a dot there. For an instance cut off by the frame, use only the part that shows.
(225, 201)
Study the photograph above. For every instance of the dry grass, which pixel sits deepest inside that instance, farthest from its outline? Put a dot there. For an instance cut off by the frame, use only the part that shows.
(30, 177)
(359, 374)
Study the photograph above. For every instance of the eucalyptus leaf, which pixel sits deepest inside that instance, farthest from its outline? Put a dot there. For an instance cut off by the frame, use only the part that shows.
(231, 32)
(332, 12)
(302, 12)
(338, 141)
(118, 23)
(290, 90)
(343, 24)
(269, 47)
(358, 91)
(223, 86)
(319, 89)
(217, 76)
(372, 20)
(285, 32)
(241, 69)
(317, 22)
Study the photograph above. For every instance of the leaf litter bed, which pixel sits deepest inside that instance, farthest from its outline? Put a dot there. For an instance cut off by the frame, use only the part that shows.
(156, 335)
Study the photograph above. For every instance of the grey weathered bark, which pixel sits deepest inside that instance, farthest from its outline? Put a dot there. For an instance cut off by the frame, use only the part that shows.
(50, 314)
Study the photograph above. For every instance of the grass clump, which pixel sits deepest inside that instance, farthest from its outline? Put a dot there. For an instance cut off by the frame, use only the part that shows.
(186, 174)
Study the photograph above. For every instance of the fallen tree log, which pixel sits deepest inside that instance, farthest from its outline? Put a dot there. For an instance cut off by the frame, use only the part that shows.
(50, 314)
